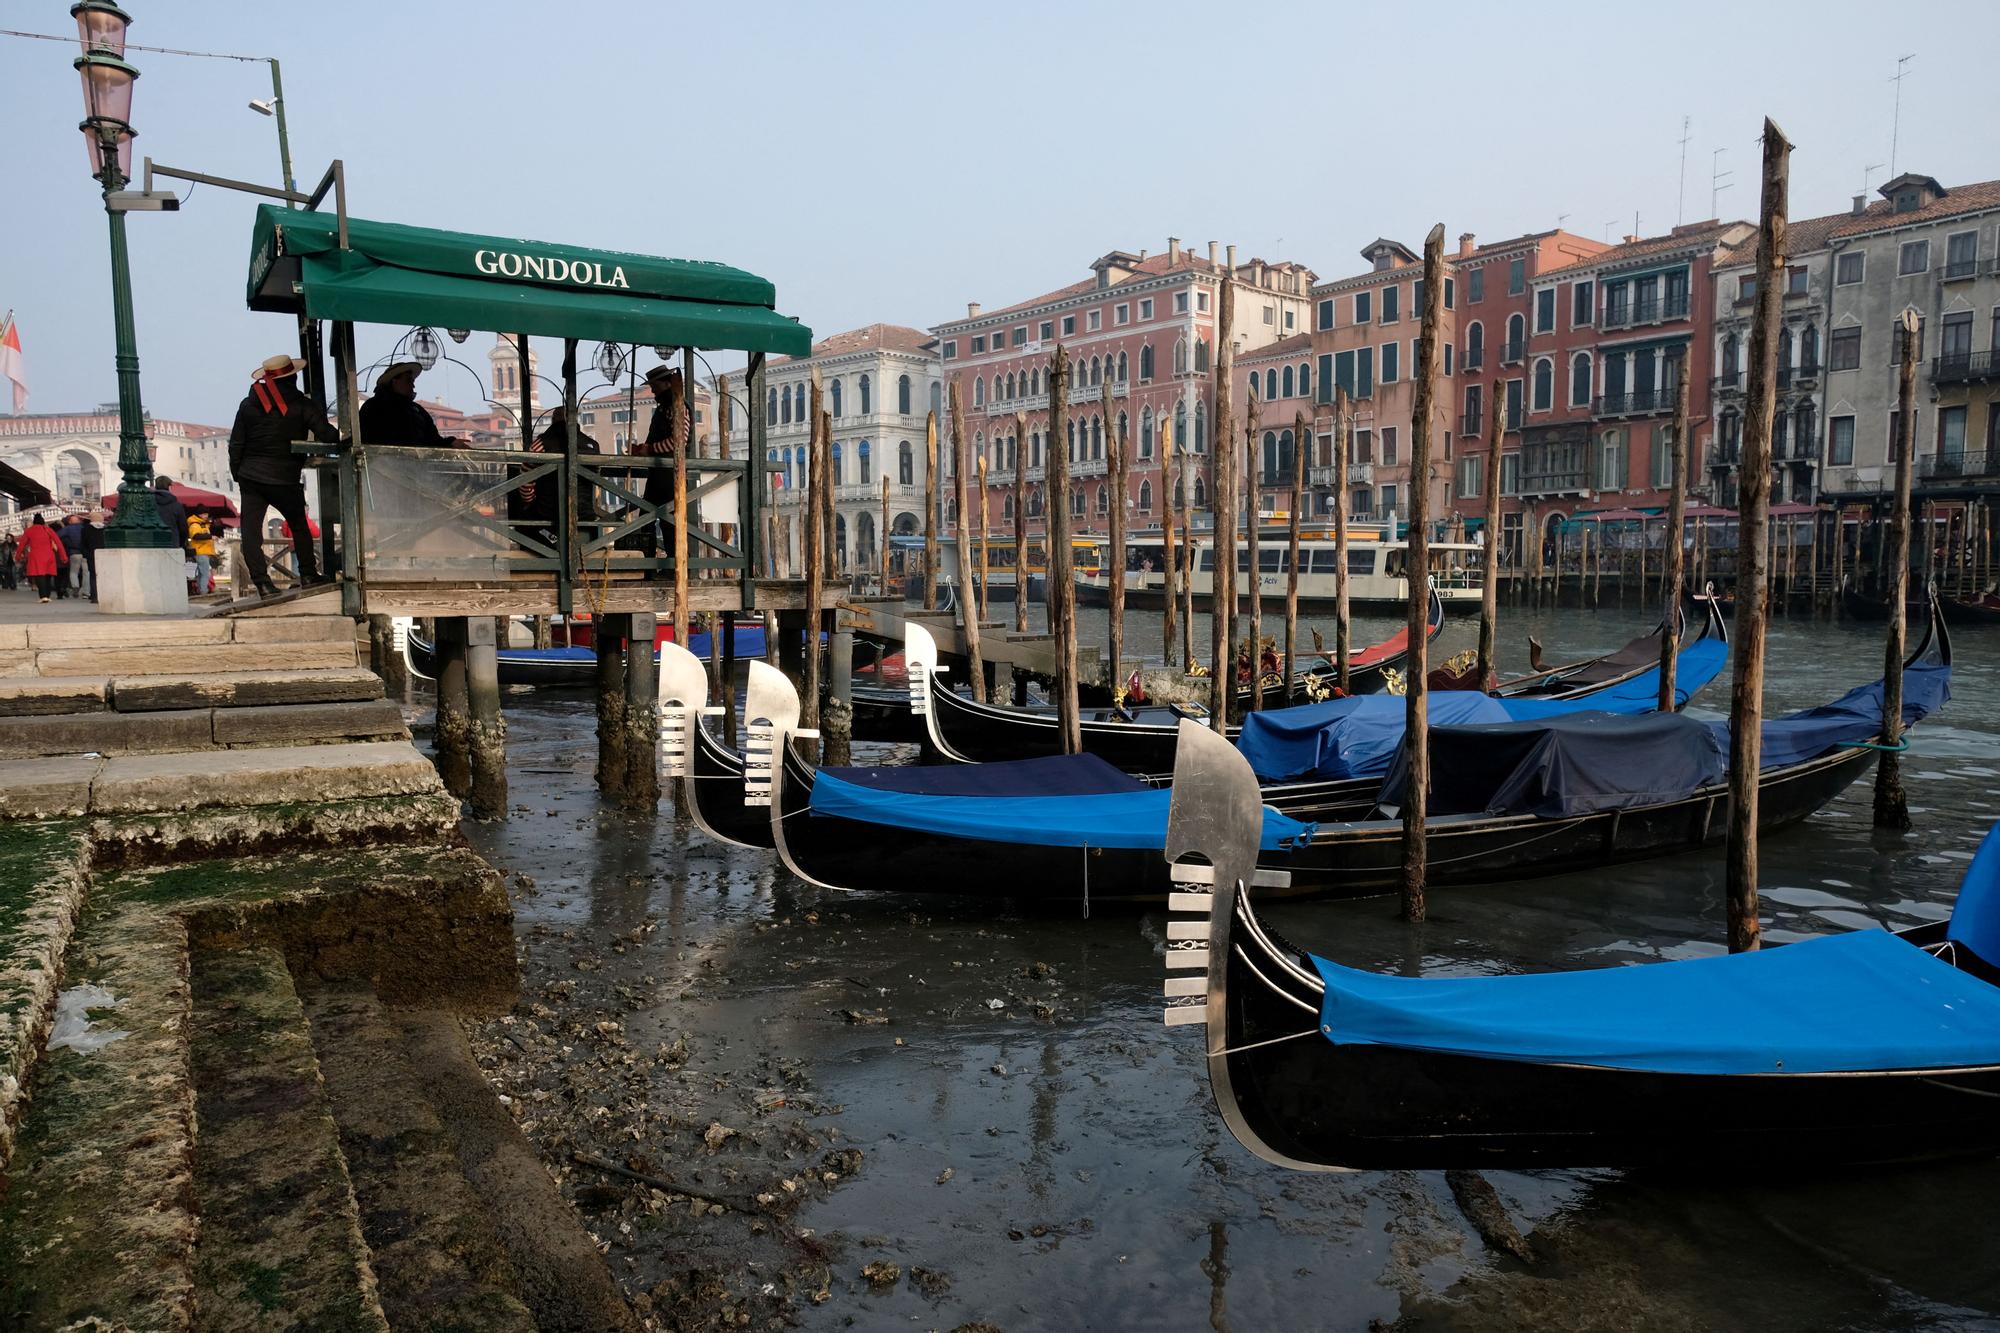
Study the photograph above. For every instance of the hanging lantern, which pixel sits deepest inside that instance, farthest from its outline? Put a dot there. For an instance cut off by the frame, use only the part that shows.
(425, 348)
(610, 361)
(459, 335)
(664, 353)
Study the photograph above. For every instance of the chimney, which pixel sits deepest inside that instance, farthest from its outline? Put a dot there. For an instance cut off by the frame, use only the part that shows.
(1143, 254)
(1860, 204)
(1631, 240)
(1257, 270)
(972, 309)
(1173, 250)
(1212, 256)
(1467, 243)
(1232, 258)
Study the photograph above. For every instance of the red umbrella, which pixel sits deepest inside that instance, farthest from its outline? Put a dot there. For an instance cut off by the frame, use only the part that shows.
(191, 497)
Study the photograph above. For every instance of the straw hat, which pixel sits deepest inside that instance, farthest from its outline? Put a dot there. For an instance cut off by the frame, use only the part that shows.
(659, 377)
(396, 370)
(277, 367)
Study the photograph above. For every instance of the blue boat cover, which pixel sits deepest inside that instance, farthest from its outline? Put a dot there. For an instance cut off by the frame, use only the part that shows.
(1854, 716)
(1864, 1001)
(1358, 737)
(1975, 919)
(1053, 775)
(1133, 816)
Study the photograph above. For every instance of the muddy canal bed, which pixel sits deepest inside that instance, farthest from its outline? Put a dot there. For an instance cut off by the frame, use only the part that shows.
(777, 1106)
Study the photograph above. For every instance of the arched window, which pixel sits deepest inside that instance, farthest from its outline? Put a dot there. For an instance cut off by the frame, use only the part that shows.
(1728, 436)
(866, 466)
(1103, 500)
(1271, 384)
(1146, 433)
(1096, 438)
(903, 394)
(1145, 363)
(1076, 502)
(1270, 461)
(837, 479)
(906, 464)
(1545, 384)
(1007, 508)
(1034, 449)
(1286, 447)
(1181, 435)
(1611, 468)
(1124, 430)
(1201, 356)
(865, 408)
(1809, 350)
(1013, 453)
(1036, 381)
(1517, 336)
(978, 454)
(786, 415)
(1305, 379)
(1805, 442)
(1180, 356)
(1035, 503)
(771, 408)
(1123, 368)
(937, 397)
(1096, 372)
(1579, 379)
(1145, 496)
(1784, 351)
(1475, 345)
(834, 397)
(1730, 351)
(799, 401)
(1288, 381)
(1010, 386)
(1072, 441)
(979, 391)
(1200, 492)
(1201, 428)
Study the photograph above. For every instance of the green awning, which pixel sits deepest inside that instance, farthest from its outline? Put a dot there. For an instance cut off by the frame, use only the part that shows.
(395, 274)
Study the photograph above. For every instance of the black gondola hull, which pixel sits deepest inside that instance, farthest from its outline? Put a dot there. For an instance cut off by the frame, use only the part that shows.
(715, 793)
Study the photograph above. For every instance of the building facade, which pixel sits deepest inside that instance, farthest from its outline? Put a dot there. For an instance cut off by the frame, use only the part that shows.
(878, 382)
(75, 455)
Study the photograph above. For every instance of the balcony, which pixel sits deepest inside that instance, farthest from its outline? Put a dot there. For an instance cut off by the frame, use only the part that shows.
(1474, 359)
(1963, 368)
(1653, 311)
(1089, 467)
(1360, 474)
(1323, 476)
(1513, 353)
(1981, 466)
(859, 490)
(1079, 394)
(1725, 456)
(1960, 270)
(1275, 477)
(1473, 424)
(1554, 483)
(1643, 402)
(1729, 381)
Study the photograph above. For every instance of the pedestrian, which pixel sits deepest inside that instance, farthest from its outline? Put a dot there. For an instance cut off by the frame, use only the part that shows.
(201, 545)
(173, 514)
(93, 542)
(46, 554)
(392, 414)
(78, 583)
(666, 434)
(8, 550)
(270, 418)
(532, 506)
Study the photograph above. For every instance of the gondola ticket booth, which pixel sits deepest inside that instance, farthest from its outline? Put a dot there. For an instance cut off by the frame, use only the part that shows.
(461, 535)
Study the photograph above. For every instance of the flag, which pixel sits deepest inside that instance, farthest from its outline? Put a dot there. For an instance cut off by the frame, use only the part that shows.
(10, 361)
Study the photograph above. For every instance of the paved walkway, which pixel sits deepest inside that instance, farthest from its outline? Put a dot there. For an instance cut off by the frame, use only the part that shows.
(21, 606)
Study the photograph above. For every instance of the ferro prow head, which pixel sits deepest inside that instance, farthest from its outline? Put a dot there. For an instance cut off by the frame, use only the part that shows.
(771, 713)
(683, 697)
(920, 663)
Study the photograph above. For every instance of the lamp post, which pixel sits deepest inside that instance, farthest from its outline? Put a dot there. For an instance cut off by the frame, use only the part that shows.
(140, 554)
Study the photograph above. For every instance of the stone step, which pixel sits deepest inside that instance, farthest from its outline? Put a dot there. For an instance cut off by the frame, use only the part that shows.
(42, 887)
(97, 1229)
(111, 632)
(281, 1240)
(434, 1251)
(27, 696)
(179, 659)
(226, 779)
(113, 733)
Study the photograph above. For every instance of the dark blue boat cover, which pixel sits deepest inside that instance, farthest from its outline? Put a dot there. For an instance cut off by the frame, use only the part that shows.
(1585, 762)
(1975, 919)
(1054, 775)
(1358, 737)
(1129, 816)
(1859, 1002)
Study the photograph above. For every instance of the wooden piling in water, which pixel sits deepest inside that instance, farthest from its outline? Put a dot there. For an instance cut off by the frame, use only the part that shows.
(1061, 588)
(453, 729)
(1746, 717)
(1670, 636)
(608, 633)
(1416, 703)
(1343, 451)
(1021, 579)
(1253, 548)
(819, 429)
(1301, 451)
(1119, 500)
(968, 598)
(1170, 483)
(486, 737)
(882, 544)
(985, 555)
(1892, 807)
(1489, 587)
(642, 714)
(930, 510)
(1190, 558)
(685, 428)
(1222, 508)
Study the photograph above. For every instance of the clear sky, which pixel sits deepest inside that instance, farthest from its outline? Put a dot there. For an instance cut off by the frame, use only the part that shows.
(891, 161)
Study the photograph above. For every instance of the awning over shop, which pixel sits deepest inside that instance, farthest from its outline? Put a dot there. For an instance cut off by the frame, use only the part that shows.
(396, 274)
(24, 488)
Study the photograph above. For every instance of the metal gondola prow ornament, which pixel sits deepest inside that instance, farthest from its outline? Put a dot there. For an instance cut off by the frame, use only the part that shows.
(920, 663)
(771, 712)
(683, 697)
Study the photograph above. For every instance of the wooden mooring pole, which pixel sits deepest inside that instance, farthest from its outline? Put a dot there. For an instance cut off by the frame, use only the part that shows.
(1746, 714)
(1061, 589)
(930, 510)
(1670, 635)
(968, 593)
(985, 554)
(642, 714)
(1489, 588)
(1170, 484)
(814, 533)
(1301, 451)
(1253, 548)
(1021, 523)
(1190, 557)
(1416, 701)
(1222, 586)
(1343, 451)
(1119, 500)
(453, 729)
(1892, 807)
(608, 633)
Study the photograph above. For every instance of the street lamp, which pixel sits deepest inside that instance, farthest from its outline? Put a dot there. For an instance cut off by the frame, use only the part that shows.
(140, 562)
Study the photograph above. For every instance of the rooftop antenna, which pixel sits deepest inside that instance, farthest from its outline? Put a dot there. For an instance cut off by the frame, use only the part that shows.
(1680, 196)
(1872, 166)
(1896, 125)
(1607, 230)
(1560, 219)
(1716, 177)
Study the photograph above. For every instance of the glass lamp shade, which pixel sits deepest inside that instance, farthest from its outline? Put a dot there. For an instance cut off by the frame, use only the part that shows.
(107, 87)
(610, 360)
(100, 26)
(425, 348)
(459, 335)
(93, 143)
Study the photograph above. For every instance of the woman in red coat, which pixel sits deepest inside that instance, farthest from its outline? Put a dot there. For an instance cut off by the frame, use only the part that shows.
(44, 553)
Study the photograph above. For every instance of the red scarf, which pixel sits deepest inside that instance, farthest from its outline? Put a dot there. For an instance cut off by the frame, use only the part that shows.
(269, 398)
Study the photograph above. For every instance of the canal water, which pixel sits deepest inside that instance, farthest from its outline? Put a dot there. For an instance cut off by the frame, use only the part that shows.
(1047, 1152)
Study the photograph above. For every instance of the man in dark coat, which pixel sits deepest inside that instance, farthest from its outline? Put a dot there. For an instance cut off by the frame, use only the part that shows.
(269, 420)
(78, 583)
(392, 414)
(666, 435)
(173, 514)
(533, 505)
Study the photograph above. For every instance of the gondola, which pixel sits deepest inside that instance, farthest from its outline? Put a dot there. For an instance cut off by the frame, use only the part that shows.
(1577, 679)
(716, 790)
(1510, 801)
(1858, 605)
(1981, 610)
(570, 665)
(1142, 741)
(1845, 1050)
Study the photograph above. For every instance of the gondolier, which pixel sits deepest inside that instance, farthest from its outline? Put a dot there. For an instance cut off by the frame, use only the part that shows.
(269, 420)
(666, 434)
(392, 414)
